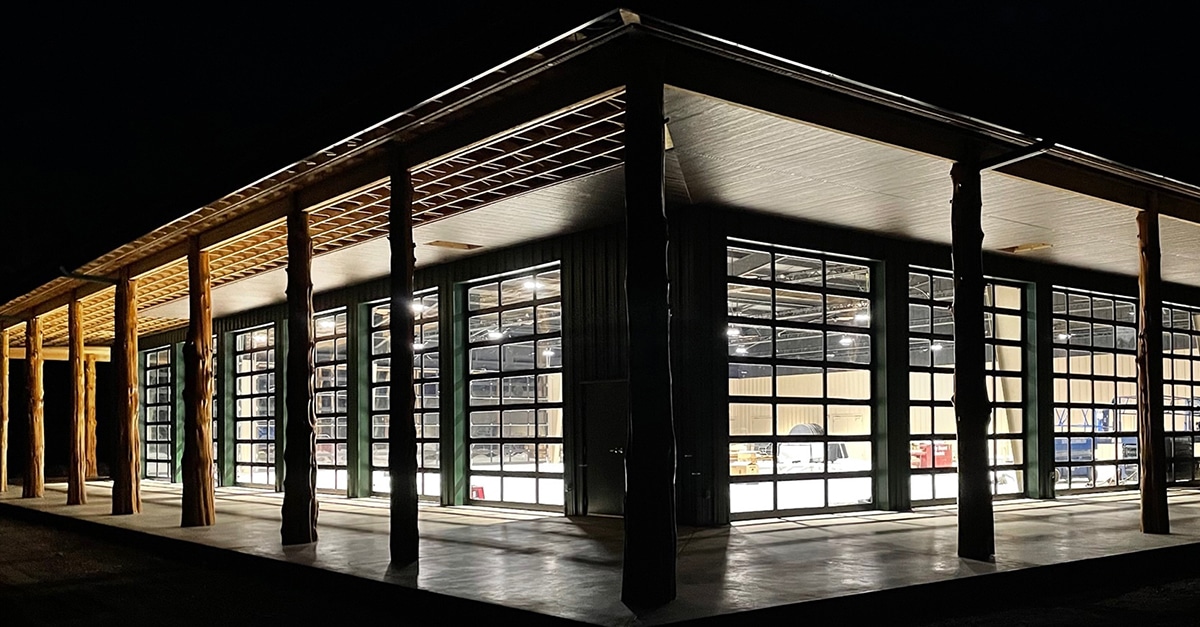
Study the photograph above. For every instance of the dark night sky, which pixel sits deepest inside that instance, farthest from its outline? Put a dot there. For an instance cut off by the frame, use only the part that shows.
(119, 120)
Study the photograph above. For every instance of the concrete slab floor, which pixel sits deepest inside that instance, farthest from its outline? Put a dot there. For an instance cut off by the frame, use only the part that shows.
(571, 568)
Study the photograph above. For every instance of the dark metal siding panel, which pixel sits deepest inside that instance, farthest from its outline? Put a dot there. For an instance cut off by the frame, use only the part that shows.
(165, 338)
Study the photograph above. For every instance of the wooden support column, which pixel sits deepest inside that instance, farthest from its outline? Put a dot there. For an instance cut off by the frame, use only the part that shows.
(1152, 463)
(127, 489)
(402, 435)
(76, 470)
(35, 472)
(648, 576)
(976, 525)
(91, 469)
(300, 438)
(199, 506)
(4, 410)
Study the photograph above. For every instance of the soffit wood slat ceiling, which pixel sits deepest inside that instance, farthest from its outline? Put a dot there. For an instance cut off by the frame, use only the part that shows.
(574, 143)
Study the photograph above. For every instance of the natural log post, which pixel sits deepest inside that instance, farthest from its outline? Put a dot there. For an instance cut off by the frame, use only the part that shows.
(976, 526)
(1152, 463)
(4, 356)
(404, 538)
(127, 490)
(91, 469)
(300, 439)
(648, 573)
(35, 473)
(199, 506)
(76, 470)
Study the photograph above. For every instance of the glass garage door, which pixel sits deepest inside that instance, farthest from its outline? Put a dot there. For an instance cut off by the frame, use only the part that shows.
(158, 414)
(1181, 390)
(800, 381)
(933, 445)
(1095, 390)
(331, 403)
(514, 389)
(427, 387)
(254, 407)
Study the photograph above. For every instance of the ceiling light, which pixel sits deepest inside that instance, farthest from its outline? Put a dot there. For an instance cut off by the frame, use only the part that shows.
(531, 285)
(419, 346)
(733, 332)
(741, 350)
(862, 316)
(495, 335)
(1064, 336)
(935, 347)
(845, 341)
(549, 352)
(418, 308)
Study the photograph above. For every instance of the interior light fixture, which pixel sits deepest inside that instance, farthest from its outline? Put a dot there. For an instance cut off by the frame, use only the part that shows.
(845, 341)
(862, 316)
(741, 350)
(1064, 336)
(733, 332)
(326, 325)
(495, 335)
(419, 346)
(935, 347)
(418, 308)
(532, 285)
(549, 352)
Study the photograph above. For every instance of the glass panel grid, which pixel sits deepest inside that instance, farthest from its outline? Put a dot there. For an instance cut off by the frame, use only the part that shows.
(254, 407)
(514, 389)
(158, 414)
(426, 378)
(800, 380)
(1181, 390)
(330, 389)
(1095, 390)
(933, 443)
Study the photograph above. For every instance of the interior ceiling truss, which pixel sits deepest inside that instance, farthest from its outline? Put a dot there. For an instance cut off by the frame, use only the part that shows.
(576, 142)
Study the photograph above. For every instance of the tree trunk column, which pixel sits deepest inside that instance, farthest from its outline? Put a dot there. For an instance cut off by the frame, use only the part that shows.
(402, 435)
(91, 471)
(1152, 461)
(300, 439)
(976, 527)
(127, 491)
(35, 473)
(4, 359)
(76, 470)
(648, 575)
(199, 506)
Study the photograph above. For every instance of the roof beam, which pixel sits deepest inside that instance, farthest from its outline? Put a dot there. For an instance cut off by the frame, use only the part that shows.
(62, 353)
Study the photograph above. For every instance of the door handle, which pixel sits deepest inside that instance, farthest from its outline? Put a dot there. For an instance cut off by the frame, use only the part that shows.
(617, 451)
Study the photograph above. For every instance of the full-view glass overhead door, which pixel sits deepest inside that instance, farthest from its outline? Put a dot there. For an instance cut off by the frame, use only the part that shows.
(933, 445)
(254, 407)
(1181, 391)
(330, 359)
(514, 389)
(158, 414)
(800, 380)
(1095, 390)
(426, 373)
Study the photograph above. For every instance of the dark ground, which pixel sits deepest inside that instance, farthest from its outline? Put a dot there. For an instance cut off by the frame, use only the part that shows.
(51, 576)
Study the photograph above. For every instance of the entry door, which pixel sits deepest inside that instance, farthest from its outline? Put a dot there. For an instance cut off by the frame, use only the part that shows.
(606, 420)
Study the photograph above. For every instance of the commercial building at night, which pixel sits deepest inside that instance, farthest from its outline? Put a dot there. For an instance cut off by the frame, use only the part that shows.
(807, 246)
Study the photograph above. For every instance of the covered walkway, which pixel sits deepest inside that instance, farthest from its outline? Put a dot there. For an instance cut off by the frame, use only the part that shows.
(571, 567)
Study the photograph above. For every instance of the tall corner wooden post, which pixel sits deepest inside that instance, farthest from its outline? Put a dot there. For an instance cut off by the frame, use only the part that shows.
(4, 387)
(76, 468)
(1152, 463)
(404, 539)
(648, 574)
(91, 467)
(126, 474)
(976, 525)
(300, 436)
(199, 505)
(35, 473)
